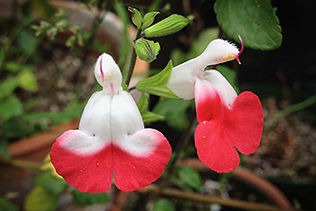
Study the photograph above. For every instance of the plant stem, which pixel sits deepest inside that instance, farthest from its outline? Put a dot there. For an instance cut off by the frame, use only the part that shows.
(133, 61)
(182, 143)
(209, 199)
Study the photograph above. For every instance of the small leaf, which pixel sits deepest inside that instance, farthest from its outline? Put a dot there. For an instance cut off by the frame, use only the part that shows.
(137, 18)
(50, 183)
(61, 24)
(156, 84)
(167, 26)
(147, 116)
(10, 107)
(6, 205)
(27, 80)
(163, 204)
(149, 19)
(40, 199)
(71, 41)
(8, 86)
(190, 176)
(85, 199)
(147, 50)
(254, 21)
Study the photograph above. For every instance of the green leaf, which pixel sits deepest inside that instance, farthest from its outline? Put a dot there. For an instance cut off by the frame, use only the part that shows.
(6, 205)
(254, 21)
(174, 111)
(167, 26)
(85, 199)
(40, 199)
(147, 50)
(8, 86)
(163, 204)
(27, 80)
(10, 107)
(147, 116)
(190, 176)
(156, 84)
(50, 183)
(27, 41)
(4, 150)
(149, 19)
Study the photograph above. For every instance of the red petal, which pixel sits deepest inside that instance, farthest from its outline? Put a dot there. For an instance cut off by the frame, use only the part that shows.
(214, 148)
(244, 121)
(91, 173)
(134, 172)
(207, 100)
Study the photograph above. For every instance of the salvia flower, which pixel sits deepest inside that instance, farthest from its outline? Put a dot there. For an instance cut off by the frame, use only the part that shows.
(111, 140)
(226, 121)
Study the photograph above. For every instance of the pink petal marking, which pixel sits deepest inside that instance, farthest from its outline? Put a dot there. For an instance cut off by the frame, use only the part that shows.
(241, 50)
(102, 74)
(222, 127)
(112, 89)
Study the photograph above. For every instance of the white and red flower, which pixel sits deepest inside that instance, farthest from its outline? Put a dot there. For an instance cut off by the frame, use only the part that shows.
(111, 141)
(226, 121)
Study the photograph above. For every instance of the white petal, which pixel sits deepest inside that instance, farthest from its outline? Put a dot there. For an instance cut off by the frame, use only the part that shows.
(182, 78)
(218, 51)
(95, 119)
(223, 87)
(110, 74)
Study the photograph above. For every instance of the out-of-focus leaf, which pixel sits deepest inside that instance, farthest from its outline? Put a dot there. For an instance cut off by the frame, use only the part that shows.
(50, 183)
(27, 41)
(147, 116)
(8, 86)
(10, 107)
(40, 199)
(27, 80)
(174, 111)
(191, 177)
(254, 21)
(6, 205)
(4, 151)
(163, 204)
(85, 199)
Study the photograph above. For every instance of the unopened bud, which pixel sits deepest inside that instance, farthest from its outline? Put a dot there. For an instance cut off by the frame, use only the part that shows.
(147, 50)
(169, 25)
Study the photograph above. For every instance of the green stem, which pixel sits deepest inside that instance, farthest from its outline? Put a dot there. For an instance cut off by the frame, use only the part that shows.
(133, 61)
(181, 145)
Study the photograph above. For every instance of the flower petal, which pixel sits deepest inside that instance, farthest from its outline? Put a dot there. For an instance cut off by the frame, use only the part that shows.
(223, 87)
(222, 127)
(131, 171)
(182, 79)
(214, 148)
(244, 123)
(218, 51)
(86, 171)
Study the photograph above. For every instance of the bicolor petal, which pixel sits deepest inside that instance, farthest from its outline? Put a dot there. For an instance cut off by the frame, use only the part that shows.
(111, 140)
(183, 77)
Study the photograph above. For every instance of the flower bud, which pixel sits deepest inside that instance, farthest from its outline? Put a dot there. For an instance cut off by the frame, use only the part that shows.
(169, 25)
(136, 17)
(146, 50)
(149, 19)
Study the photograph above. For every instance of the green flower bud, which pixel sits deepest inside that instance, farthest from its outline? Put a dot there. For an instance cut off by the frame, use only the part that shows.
(137, 18)
(146, 50)
(169, 25)
(149, 19)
